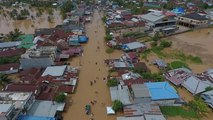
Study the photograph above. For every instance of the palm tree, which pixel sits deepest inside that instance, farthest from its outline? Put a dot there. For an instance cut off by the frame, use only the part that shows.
(13, 35)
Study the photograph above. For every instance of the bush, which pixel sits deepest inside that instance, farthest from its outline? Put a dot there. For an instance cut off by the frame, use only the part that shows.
(195, 59)
(117, 105)
(112, 82)
(154, 44)
(7, 60)
(108, 37)
(60, 98)
(178, 64)
(153, 76)
(165, 44)
(198, 106)
(109, 50)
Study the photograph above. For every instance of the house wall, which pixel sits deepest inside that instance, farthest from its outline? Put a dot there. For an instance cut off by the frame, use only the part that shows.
(9, 71)
(191, 21)
(36, 62)
(142, 100)
(164, 102)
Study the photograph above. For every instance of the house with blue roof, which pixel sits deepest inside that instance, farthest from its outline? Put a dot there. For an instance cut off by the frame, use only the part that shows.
(161, 93)
(29, 117)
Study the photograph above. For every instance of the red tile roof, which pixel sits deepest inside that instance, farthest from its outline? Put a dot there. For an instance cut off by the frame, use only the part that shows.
(12, 52)
(124, 40)
(7, 67)
(21, 87)
(31, 74)
(65, 89)
(136, 81)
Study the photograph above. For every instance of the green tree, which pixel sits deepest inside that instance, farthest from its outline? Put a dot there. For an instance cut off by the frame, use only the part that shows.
(13, 35)
(117, 105)
(156, 37)
(66, 7)
(112, 82)
(60, 98)
(165, 43)
(199, 106)
(4, 78)
(209, 88)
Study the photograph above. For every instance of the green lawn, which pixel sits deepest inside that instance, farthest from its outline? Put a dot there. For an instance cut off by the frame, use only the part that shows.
(171, 111)
(178, 64)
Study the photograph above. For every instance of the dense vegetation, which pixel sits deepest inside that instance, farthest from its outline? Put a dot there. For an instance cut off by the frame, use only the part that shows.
(112, 82)
(7, 60)
(117, 105)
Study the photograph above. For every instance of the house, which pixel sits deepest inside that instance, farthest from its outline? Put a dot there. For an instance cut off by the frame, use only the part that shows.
(10, 44)
(42, 57)
(44, 31)
(44, 108)
(157, 18)
(141, 93)
(208, 98)
(184, 77)
(26, 41)
(73, 51)
(131, 118)
(192, 20)
(11, 52)
(9, 68)
(133, 46)
(130, 56)
(141, 110)
(121, 93)
(177, 76)
(13, 103)
(162, 93)
(160, 63)
(28, 117)
(141, 66)
(61, 76)
(29, 76)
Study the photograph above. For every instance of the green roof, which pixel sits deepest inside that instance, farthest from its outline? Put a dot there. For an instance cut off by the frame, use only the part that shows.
(26, 41)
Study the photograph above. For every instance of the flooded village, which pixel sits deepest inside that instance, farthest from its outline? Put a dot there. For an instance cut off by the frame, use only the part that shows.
(106, 60)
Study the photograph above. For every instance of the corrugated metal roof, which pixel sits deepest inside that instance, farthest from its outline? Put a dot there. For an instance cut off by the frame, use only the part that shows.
(54, 70)
(10, 44)
(120, 93)
(140, 90)
(131, 118)
(161, 90)
(154, 117)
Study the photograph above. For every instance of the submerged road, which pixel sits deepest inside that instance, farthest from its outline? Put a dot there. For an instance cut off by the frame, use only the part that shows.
(92, 68)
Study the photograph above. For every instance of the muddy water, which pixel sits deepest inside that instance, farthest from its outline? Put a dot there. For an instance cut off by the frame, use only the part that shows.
(89, 71)
(197, 42)
(28, 26)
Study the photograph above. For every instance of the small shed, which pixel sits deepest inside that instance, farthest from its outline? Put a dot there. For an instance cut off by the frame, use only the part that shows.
(110, 111)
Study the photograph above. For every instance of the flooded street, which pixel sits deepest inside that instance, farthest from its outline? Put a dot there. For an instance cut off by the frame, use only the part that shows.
(29, 25)
(91, 71)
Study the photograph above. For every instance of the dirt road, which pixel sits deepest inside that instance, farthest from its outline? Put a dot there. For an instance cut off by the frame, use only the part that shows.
(92, 68)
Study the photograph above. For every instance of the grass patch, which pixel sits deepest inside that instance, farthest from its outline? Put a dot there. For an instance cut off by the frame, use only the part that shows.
(178, 64)
(172, 111)
(109, 50)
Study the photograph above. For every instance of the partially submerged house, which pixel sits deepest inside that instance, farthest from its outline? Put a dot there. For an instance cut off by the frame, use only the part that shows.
(121, 93)
(161, 64)
(133, 46)
(160, 93)
(13, 103)
(42, 57)
(193, 20)
(9, 68)
(208, 98)
(192, 82)
(157, 18)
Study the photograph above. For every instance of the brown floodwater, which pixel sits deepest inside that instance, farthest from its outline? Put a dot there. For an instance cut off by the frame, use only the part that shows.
(89, 71)
(28, 26)
(197, 42)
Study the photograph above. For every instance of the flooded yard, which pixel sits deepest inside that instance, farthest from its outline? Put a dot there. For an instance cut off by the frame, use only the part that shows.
(92, 68)
(197, 42)
(29, 25)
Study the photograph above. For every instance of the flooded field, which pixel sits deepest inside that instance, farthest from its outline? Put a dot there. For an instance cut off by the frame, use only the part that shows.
(90, 71)
(198, 43)
(29, 25)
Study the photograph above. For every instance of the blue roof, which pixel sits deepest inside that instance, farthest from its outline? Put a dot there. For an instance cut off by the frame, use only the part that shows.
(161, 90)
(27, 117)
(83, 38)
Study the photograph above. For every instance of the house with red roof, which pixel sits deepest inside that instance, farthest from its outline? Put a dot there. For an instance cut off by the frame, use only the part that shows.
(9, 68)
